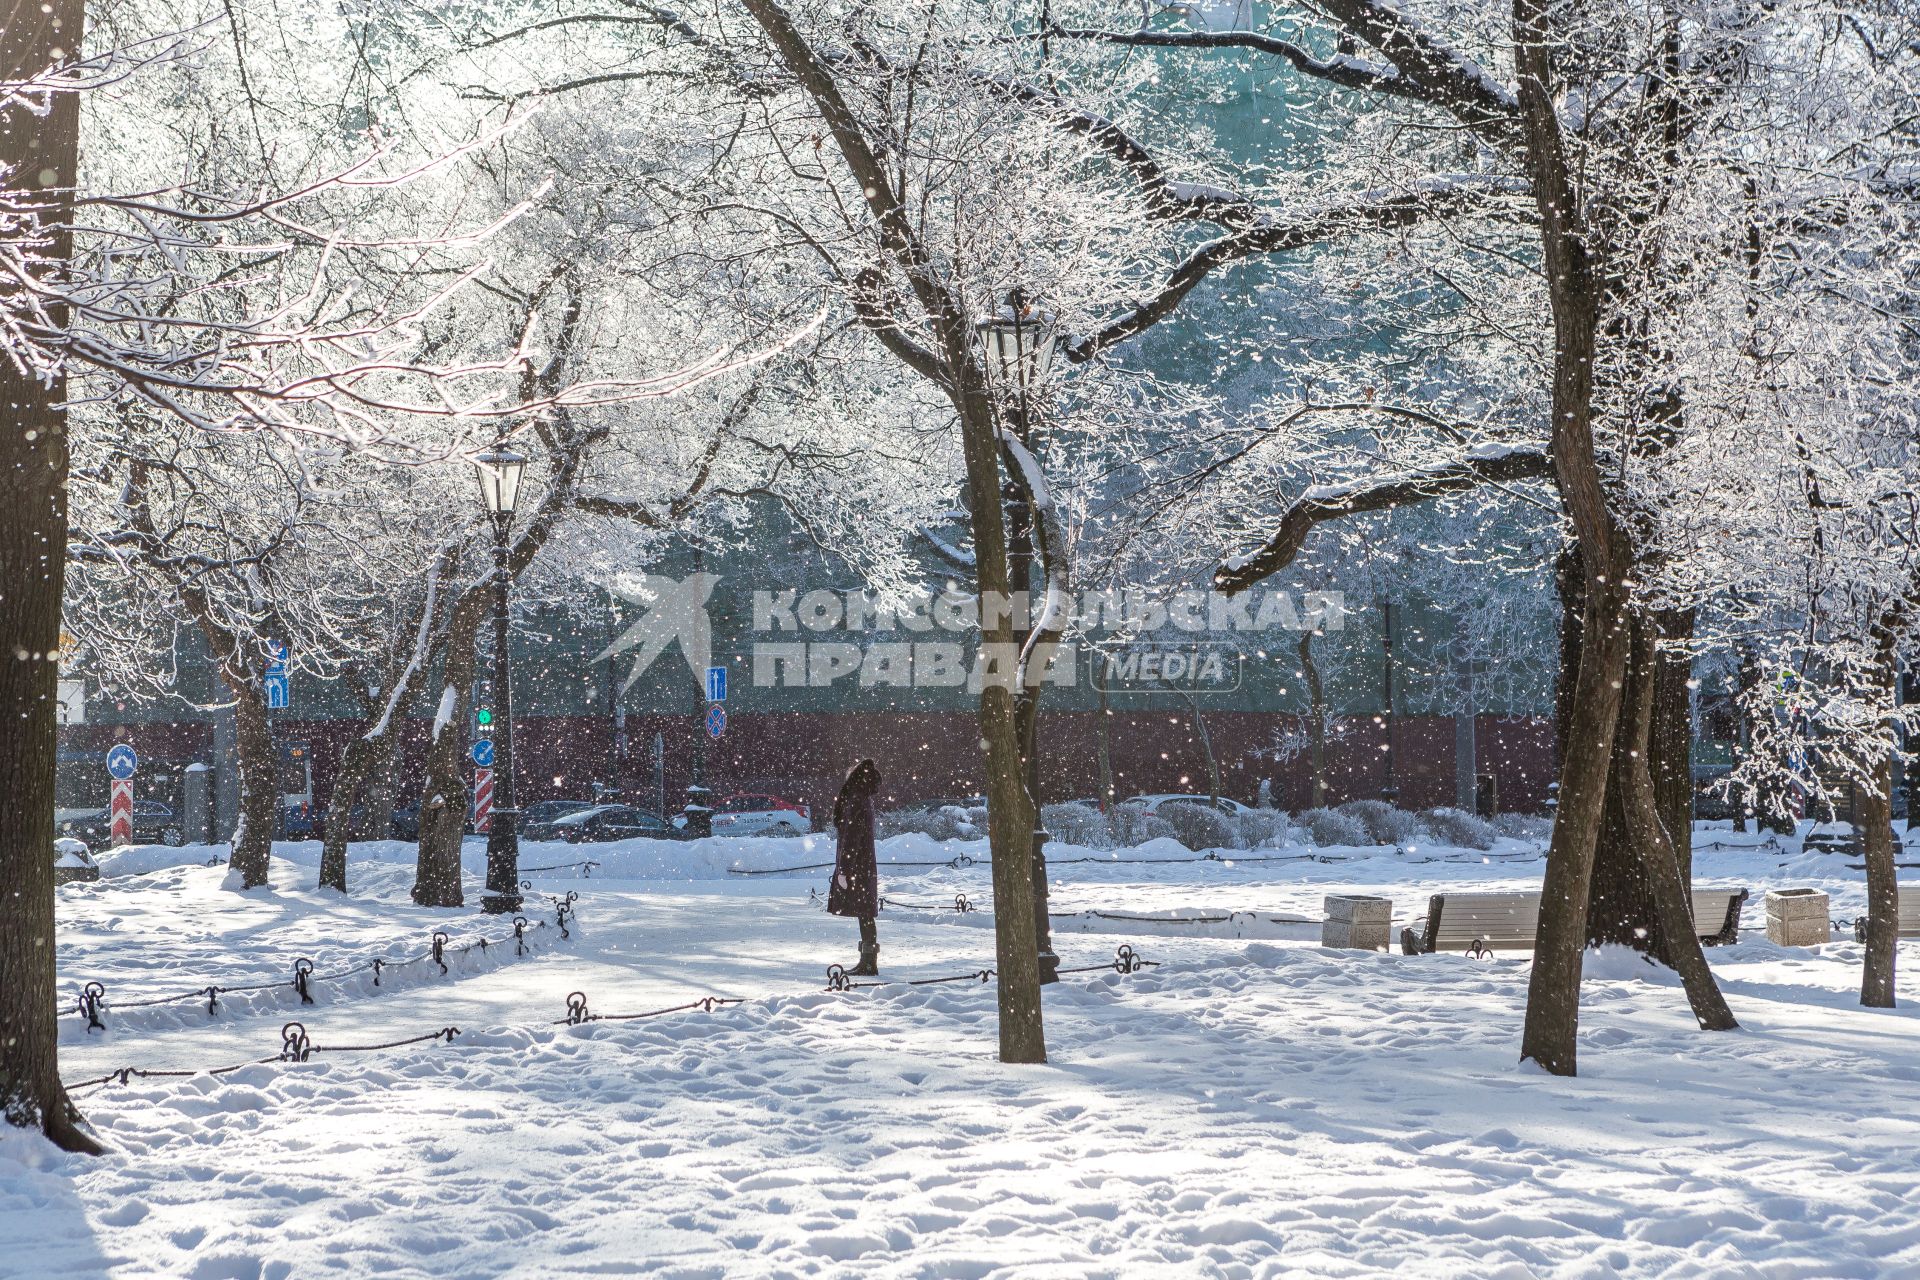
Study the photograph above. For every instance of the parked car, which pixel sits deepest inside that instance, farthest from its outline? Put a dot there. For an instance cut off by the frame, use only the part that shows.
(952, 802)
(1152, 803)
(541, 812)
(756, 815)
(602, 822)
(153, 823)
(72, 860)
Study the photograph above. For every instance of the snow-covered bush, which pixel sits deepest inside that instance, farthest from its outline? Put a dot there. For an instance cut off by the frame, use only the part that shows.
(1199, 826)
(1080, 824)
(1133, 825)
(1262, 829)
(1330, 827)
(1523, 826)
(1385, 824)
(949, 823)
(1458, 827)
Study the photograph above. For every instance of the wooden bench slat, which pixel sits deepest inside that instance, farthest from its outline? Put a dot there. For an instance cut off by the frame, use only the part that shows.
(1509, 921)
(1909, 926)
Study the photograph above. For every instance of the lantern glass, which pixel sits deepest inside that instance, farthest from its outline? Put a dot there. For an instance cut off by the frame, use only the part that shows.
(500, 471)
(1018, 343)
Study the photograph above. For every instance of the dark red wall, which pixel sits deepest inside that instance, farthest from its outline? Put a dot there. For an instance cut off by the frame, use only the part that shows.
(928, 755)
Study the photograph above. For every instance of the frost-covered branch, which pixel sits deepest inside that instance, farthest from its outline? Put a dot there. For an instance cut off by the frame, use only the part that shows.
(1484, 464)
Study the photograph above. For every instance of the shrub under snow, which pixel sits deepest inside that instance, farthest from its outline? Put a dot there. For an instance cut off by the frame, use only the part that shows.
(1133, 825)
(1330, 827)
(949, 823)
(1458, 827)
(1199, 826)
(1385, 824)
(1523, 826)
(1080, 824)
(1262, 829)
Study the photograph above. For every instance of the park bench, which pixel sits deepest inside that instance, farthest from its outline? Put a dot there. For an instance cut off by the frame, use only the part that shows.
(1478, 923)
(1909, 915)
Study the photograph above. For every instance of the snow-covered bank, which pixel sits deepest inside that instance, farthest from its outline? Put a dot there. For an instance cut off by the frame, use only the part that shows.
(1249, 1107)
(1266, 1111)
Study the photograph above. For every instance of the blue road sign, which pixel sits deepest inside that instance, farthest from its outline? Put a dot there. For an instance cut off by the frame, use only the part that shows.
(278, 692)
(277, 665)
(716, 720)
(482, 753)
(121, 762)
(716, 684)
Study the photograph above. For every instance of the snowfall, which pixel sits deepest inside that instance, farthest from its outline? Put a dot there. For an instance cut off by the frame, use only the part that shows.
(1247, 1104)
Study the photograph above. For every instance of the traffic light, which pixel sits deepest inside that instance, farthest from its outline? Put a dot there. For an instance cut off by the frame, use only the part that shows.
(483, 707)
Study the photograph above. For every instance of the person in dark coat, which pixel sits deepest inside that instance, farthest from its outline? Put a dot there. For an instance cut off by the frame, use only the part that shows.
(856, 873)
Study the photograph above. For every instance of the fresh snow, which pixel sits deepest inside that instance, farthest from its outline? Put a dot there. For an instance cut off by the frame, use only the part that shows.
(443, 714)
(1254, 1105)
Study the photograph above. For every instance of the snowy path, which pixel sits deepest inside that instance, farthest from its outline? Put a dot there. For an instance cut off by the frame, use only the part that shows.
(1246, 1109)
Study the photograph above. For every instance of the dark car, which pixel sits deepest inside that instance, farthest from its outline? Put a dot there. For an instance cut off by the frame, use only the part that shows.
(153, 823)
(602, 822)
(541, 812)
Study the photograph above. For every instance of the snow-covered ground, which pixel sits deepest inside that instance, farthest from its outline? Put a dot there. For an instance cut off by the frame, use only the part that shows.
(1251, 1106)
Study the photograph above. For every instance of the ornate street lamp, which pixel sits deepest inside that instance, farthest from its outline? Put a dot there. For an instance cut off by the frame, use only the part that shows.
(500, 471)
(1018, 343)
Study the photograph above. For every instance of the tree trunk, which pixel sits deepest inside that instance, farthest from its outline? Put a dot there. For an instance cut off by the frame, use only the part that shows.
(1621, 906)
(1553, 988)
(1103, 749)
(1316, 724)
(1011, 818)
(1670, 738)
(42, 152)
(259, 786)
(1206, 749)
(1876, 828)
(362, 757)
(959, 373)
(1675, 940)
(382, 787)
(1770, 801)
(1568, 257)
(443, 795)
(1883, 888)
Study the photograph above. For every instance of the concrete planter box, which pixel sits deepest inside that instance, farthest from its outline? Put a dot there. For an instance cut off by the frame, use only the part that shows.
(1798, 917)
(1356, 922)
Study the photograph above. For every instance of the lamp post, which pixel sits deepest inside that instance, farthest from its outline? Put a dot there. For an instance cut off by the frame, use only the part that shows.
(698, 815)
(500, 471)
(1018, 343)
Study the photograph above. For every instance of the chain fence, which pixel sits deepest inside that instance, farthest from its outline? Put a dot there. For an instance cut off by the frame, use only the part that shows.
(296, 1045)
(93, 1002)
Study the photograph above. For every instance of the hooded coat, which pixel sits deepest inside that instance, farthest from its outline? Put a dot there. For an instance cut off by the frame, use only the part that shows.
(856, 873)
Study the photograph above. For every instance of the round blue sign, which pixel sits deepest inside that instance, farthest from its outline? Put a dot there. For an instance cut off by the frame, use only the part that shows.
(716, 720)
(482, 753)
(121, 762)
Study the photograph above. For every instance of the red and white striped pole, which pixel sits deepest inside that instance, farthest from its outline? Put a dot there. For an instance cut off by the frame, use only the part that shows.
(482, 801)
(120, 813)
